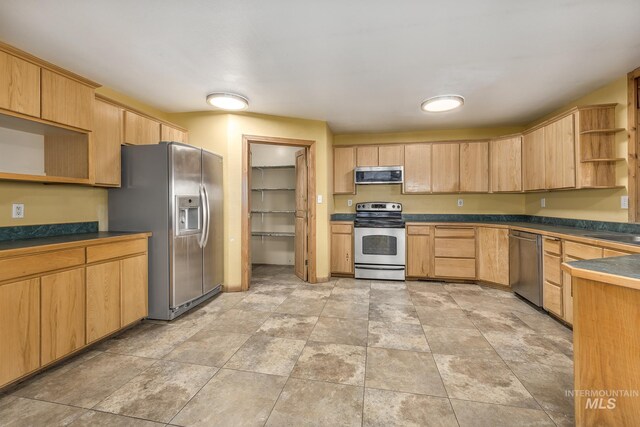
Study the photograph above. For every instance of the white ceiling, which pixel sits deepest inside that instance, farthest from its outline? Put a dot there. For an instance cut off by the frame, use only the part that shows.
(361, 65)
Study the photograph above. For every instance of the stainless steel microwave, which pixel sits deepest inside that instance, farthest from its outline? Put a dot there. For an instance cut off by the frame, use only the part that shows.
(379, 175)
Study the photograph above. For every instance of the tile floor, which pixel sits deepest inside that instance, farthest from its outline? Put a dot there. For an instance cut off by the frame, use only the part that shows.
(348, 352)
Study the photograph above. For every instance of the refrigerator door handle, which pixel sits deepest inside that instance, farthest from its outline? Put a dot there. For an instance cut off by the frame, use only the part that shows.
(205, 219)
(208, 212)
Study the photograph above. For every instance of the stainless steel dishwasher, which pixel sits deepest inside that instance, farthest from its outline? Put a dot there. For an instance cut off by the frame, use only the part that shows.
(525, 265)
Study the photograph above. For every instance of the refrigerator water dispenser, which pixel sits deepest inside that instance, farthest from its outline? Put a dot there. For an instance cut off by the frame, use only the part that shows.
(188, 215)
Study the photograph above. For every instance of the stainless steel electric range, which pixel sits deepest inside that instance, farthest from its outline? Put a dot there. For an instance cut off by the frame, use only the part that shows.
(379, 241)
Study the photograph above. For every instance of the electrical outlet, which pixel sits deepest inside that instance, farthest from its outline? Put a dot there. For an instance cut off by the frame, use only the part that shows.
(18, 210)
(624, 202)
(543, 203)
(460, 203)
(349, 202)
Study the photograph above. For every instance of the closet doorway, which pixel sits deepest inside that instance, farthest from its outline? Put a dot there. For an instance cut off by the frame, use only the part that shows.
(278, 226)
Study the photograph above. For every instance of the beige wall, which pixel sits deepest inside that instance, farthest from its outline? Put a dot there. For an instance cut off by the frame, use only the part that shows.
(222, 133)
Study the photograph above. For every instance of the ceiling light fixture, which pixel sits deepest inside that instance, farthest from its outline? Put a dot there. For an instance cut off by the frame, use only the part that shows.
(438, 104)
(228, 101)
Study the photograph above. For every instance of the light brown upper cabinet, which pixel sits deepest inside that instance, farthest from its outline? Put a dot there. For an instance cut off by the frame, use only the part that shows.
(344, 161)
(140, 130)
(367, 156)
(380, 155)
(19, 85)
(107, 137)
(172, 134)
(533, 160)
(66, 101)
(391, 155)
(417, 168)
(445, 168)
(506, 164)
(474, 167)
(559, 147)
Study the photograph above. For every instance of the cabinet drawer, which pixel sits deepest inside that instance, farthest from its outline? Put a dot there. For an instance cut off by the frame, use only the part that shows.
(116, 250)
(581, 251)
(463, 268)
(455, 232)
(552, 268)
(11, 268)
(552, 246)
(341, 228)
(552, 298)
(455, 248)
(418, 230)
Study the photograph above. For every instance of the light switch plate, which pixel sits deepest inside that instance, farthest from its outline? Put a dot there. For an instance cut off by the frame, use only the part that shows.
(17, 210)
(460, 203)
(319, 198)
(624, 202)
(543, 203)
(349, 202)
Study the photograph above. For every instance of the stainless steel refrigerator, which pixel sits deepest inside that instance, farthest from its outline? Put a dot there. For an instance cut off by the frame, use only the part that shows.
(175, 191)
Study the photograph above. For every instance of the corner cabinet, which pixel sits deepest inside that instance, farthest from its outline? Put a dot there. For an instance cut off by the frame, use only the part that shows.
(56, 300)
(342, 248)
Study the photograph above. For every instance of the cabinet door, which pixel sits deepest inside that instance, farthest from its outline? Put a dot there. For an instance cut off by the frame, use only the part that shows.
(171, 134)
(19, 85)
(342, 253)
(559, 145)
(417, 168)
(419, 257)
(533, 175)
(474, 167)
(62, 314)
(493, 255)
(367, 156)
(103, 300)
(139, 130)
(19, 329)
(344, 161)
(506, 164)
(134, 288)
(66, 101)
(445, 168)
(107, 137)
(391, 155)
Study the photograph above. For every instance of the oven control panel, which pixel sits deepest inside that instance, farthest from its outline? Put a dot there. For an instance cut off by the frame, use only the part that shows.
(379, 206)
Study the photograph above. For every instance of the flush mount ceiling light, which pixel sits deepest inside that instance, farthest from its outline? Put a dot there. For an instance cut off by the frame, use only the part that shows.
(438, 104)
(228, 101)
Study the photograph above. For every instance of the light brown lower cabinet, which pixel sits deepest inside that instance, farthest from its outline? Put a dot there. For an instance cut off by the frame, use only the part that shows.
(552, 292)
(493, 255)
(134, 287)
(103, 299)
(419, 251)
(454, 252)
(342, 247)
(19, 329)
(573, 251)
(68, 306)
(62, 314)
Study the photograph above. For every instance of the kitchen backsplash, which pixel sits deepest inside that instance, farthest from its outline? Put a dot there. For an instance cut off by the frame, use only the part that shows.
(46, 230)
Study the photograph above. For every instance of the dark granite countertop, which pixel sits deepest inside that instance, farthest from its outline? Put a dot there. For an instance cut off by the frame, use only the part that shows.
(623, 266)
(56, 240)
(596, 230)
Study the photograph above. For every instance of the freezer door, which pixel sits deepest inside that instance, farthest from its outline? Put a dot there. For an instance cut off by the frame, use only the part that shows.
(213, 255)
(186, 253)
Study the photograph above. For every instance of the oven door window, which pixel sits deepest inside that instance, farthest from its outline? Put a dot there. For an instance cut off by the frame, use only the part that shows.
(379, 245)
